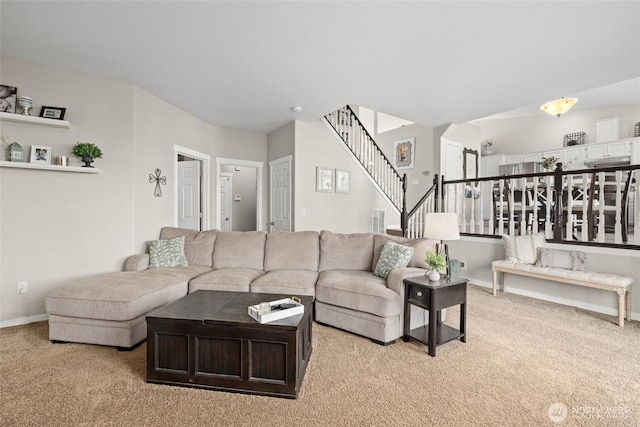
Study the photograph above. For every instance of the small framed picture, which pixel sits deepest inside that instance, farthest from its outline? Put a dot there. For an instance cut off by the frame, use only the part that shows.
(40, 154)
(343, 181)
(405, 153)
(8, 98)
(324, 180)
(56, 113)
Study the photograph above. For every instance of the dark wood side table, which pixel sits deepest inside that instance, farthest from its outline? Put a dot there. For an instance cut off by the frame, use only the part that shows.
(434, 296)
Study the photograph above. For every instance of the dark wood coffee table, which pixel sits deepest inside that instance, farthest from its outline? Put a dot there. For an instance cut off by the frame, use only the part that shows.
(208, 340)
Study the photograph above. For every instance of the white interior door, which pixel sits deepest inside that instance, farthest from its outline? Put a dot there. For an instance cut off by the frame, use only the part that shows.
(280, 209)
(189, 212)
(451, 169)
(225, 202)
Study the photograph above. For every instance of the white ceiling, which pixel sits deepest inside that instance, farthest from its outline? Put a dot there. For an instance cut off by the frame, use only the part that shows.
(245, 64)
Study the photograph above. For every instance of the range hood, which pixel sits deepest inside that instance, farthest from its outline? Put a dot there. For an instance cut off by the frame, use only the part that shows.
(608, 161)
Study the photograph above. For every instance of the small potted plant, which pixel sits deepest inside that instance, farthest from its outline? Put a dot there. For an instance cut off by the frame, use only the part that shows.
(487, 147)
(437, 263)
(87, 151)
(549, 162)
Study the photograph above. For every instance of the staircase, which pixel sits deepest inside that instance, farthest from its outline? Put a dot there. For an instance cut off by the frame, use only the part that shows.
(348, 128)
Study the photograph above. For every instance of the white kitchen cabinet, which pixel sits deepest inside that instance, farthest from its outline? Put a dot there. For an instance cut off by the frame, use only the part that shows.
(532, 157)
(635, 150)
(514, 158)
(610, 149)
(573, 157)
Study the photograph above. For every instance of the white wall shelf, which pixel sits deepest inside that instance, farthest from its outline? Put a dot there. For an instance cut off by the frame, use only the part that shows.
(41, 166)
(34, 120)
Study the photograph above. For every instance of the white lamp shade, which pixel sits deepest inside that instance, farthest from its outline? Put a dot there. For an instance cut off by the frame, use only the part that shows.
(441, 226)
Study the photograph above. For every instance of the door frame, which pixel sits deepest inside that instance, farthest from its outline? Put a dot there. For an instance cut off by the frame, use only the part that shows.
(246, 163)
(287, 159)
(205, 199)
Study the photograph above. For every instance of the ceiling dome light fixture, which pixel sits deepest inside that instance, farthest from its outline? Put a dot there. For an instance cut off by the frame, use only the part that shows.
(559, 106)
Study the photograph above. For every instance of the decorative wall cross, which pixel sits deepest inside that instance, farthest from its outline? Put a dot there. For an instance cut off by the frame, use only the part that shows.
(158, 180)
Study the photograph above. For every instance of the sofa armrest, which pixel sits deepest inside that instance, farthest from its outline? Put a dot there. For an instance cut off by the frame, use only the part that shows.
(137, 262)
(397, 276)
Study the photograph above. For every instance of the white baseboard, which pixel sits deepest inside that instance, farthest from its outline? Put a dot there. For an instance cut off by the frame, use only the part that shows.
(557, 300)
(23, 320)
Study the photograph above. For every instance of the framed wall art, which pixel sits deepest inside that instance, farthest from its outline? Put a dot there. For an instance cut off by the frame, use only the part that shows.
(324, 180)
(8, 98)
(404, 153)
(343, 181)
(56, 113)
(40, 154)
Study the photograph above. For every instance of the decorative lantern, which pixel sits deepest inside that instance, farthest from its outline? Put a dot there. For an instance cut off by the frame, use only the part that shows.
(16, 153)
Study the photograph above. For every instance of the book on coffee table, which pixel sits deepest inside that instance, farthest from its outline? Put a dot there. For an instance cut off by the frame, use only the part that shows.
(278, 309)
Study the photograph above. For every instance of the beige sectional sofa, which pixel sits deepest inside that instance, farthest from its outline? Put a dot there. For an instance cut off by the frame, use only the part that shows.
(337, 269)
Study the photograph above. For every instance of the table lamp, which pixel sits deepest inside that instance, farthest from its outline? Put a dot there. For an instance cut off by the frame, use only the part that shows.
(442, 226)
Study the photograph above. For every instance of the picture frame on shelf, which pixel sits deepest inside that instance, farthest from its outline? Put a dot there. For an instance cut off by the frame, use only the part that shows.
(343, 181)
(404, 153)
(56, 113)
(324, 180)
(8, 98)
(40, 154)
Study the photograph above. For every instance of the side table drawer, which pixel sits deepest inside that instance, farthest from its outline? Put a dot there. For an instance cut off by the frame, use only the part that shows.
(418, 296)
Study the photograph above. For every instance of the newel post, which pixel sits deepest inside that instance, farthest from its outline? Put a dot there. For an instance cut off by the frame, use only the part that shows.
(558, 220)
(403, 214)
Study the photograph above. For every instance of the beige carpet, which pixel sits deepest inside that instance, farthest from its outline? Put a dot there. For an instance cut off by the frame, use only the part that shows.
(522, 356)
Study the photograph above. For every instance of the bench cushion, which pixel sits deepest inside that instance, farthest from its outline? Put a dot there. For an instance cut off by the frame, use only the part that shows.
(121, 296)
(561, 273)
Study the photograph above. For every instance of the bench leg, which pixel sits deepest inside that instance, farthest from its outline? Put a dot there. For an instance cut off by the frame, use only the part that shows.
(628, 304)
(621, 307)
(495, 282)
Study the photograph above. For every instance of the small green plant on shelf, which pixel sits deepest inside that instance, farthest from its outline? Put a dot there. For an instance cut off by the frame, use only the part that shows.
(86, 149)
(436, 261)
(549, 162)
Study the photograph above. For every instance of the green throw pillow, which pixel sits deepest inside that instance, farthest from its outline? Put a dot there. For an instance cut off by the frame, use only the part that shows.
(392, 256)
(167, 253)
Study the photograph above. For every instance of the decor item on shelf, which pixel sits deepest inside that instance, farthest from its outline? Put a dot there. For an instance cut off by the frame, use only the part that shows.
(549, 162)
(575, 138)
(26, 103)
(56, 113)
(87, 151)
(16, 153)
(559, 106)
(437, 264)
(442, 226)
(4, 139)
(158, 180)
(636, 132)
(8, 98)
(40, 154)
(62, 161)
(487, 147)
(405, 153)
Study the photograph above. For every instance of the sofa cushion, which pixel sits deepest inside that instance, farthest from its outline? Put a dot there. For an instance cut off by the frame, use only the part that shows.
(358, 290)
(167, 253)
(198, 245)
(392, 256)
(555, 258)
(298, 250)
(290, 282)
(226, 279)
(522, 249)
(239, 249)
(123, 295)
(346, 251)
(420, 248)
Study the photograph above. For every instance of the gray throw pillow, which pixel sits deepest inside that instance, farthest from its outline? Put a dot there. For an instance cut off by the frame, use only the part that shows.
(392, 256)
(554, 258)
(167, 253)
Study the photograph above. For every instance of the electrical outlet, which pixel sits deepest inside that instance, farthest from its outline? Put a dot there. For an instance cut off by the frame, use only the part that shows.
(22, 287)
(463, 264)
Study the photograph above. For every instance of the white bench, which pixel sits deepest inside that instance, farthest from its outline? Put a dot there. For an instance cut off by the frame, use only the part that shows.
(608, 282)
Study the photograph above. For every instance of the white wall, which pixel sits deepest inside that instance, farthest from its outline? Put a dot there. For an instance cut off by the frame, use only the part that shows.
(479, 252)
(544, 132)
(316, 145)
(57, 226)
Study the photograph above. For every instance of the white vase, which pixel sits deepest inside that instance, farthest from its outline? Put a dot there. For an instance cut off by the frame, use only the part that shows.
(434, 276)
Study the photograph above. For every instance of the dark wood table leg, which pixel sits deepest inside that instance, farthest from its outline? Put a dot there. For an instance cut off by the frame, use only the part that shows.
(463, 322)
(407, 315)
(433, 329)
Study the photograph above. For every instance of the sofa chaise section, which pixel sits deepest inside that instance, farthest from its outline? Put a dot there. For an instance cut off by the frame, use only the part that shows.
(110, 309)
